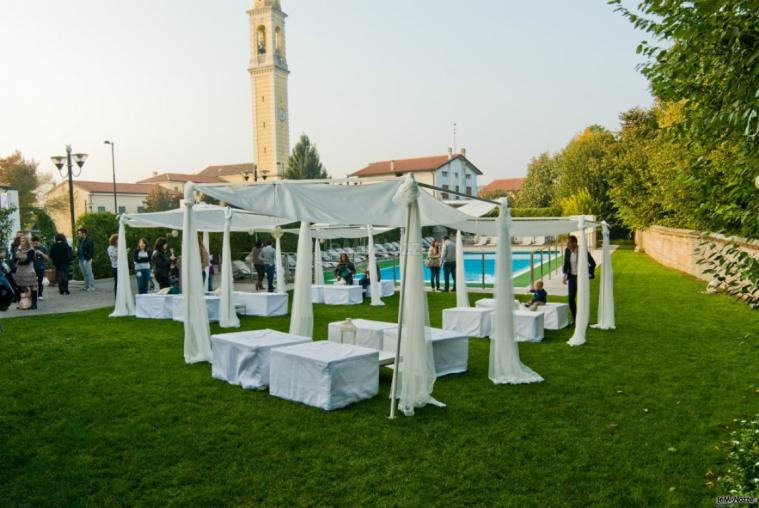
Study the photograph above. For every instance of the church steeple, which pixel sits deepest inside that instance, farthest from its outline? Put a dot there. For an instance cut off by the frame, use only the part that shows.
(269, 71)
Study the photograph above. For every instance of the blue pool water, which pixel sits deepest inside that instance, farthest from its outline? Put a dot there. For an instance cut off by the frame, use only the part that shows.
(473, 267)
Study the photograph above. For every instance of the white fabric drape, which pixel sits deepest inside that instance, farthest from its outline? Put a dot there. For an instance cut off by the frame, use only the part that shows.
(462, 294)
(197, 333)
(505, 366)
(227, 313)
(583, 288)
(606, 319)
(124, 298)
(318, 266)
(281, 280)
(416, 372)
(206, 218)
(302, 317)
(374, 286)
(207, 247)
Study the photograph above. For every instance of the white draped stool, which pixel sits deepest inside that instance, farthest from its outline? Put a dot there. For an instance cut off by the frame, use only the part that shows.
(317, 293)
(339, 294)
(153, 306)
(324, 374)
(489, 303)
(555, 315)
(242, 358)
(368, 333)
(212, 305)
(261, 304)
(470, 321)
(387, 288)
(450, 350)
(528, 326)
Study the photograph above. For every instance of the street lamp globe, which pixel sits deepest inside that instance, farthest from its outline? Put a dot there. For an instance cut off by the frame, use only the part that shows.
(59, 161)
(79, 158)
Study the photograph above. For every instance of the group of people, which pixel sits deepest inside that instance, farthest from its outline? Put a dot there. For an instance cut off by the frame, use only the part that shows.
(263, 256)
(442, 256)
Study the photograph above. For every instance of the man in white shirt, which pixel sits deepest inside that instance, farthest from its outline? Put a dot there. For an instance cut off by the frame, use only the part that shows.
(267, 257)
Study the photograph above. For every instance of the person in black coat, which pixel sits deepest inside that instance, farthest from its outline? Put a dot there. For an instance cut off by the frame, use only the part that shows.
(61, 256)
(570, 272)
(161, 263)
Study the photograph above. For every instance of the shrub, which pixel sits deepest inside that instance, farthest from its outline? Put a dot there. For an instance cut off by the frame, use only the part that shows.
(100, 226)
(742, 473)
(551, 211)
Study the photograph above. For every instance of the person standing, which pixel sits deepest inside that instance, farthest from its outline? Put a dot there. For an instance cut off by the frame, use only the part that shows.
(433, 262)
(85, 253)
(142, 271)
(345, 270)
(268, 256)
(255, 256)
(449, 262)
(61, 255)
(40, 263)
(570, 272)
(113, 256)
(161, 263)
(26, 277)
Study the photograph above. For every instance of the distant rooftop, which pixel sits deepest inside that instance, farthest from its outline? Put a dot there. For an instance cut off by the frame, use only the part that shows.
(506, 184)
(107, 187)
(226, 170)
(180, 177)
(429, 163)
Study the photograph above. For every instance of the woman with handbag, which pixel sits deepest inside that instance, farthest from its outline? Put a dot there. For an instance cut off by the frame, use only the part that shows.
(433, 263)
(26, 276)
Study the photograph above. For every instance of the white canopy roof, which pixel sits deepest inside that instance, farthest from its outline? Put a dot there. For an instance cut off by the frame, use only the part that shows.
(477, 208)
(207, 217)
(327, 232)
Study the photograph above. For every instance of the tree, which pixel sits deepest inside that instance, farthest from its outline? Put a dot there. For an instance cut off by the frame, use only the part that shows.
(21, 174)
(304, 163)
(539, 188)
(160, 200)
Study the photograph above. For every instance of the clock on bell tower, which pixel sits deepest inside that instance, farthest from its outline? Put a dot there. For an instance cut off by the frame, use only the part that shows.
(268, 72)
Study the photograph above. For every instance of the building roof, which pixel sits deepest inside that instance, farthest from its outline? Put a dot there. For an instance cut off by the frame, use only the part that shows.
(180, 177)
(430, 163)
(227, 170)
(107, 187)
(506, 184)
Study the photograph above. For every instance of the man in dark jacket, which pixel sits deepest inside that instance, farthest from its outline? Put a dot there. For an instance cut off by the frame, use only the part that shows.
(86, 253)
(570, 272)
(61, 256)
(40, 263)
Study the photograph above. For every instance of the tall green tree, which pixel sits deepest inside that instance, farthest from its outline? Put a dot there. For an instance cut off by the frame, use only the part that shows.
(304, 163)
(21, 174)
(539, 189)
(160, 200)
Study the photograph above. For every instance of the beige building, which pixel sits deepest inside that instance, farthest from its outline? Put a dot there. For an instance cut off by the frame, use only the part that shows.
(175, 182)
(449, 172)
(268, 72)
(232, 173)
(96, 197)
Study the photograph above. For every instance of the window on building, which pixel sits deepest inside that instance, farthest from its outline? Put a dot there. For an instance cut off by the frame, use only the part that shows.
(444, 195)
(445, 186)
(468, 190)
(101, 209)
(445, 173)
(468, 176)
(456, 175)
(261, 40)
(457, 188)
(122, 209)
(140, 209)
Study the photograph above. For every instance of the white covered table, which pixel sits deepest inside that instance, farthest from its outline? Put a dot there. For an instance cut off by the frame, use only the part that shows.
(489, 303)
(471, 321)
(449, 349)
(528, 326)
(368, 332)
(338, 294)
(555, 315)
(261, 304)
(212, 305)
(387, 288)
(324, 374)
(242, 358)
(317, 293)
(153, 306)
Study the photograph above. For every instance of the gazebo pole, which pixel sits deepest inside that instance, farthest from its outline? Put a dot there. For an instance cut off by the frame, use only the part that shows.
(394, 387)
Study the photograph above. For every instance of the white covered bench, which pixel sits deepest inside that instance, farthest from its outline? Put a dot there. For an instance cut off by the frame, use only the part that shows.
(470, 321)
(338, 294)
(261, 304)
(153, 306)
(449, 349)
(212, 305)
(528, 326)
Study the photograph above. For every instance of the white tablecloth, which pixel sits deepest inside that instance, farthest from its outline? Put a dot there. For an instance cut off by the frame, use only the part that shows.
(528, 326)
(261, 304)
(450, 349)
(489, 303)
(212, 304)
(242, 358)
(387, 288)
(317, 293)
(470, 321)
(324, 374)
(368, 332)
(555, 315)
(338, 294)
(153, 306)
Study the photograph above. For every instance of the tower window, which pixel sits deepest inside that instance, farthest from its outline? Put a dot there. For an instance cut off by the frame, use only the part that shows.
(278, 39)
(264, 125)
(263, 98)
(261, 39)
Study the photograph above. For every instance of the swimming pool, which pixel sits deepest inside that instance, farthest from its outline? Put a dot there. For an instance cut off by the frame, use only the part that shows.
(474, 264)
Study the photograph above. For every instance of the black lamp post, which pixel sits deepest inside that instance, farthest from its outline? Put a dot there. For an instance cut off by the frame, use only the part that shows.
(59, 161)
(113, 166)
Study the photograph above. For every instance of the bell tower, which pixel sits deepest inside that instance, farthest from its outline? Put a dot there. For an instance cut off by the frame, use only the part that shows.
(268, 73)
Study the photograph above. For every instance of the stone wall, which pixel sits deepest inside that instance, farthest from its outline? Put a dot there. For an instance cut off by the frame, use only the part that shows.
(681, 248)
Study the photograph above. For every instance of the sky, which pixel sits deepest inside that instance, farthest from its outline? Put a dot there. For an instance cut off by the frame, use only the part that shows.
(370, 80)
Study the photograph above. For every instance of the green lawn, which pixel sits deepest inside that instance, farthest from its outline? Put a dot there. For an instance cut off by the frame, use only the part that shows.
(97, 411)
